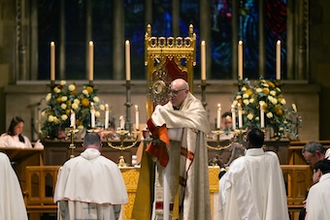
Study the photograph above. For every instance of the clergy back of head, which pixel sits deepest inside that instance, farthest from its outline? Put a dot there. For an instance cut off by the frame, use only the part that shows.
(255, 138)
(92, 140)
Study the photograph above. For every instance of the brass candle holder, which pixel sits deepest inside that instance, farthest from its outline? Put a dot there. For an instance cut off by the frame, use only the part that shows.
(71, 131)
(123, 135)
(218, 133)
(238, 136)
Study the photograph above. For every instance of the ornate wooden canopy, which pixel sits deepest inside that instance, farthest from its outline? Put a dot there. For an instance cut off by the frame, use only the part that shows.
(167, 58)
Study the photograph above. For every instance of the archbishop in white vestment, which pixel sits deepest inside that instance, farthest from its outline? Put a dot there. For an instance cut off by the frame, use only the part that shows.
(186, 155)
(12, 205)
(253, 188)
(90, 186)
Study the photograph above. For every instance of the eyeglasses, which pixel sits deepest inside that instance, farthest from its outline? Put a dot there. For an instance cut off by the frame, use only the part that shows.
(175, 92)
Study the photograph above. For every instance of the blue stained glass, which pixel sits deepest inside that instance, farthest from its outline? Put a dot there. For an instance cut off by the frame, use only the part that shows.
(162, 18)
(221, 37)
(249, 34)
(189, 14)
(275, 29)
(134, 32)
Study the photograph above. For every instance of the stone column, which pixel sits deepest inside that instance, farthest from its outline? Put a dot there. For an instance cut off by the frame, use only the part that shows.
(262, 55)
(89, 27)
(290, 42)
(175, 18)
(62, 41)
(118, 40)
(302, 40)
(235, 39)
(34, 60)
(205, 33)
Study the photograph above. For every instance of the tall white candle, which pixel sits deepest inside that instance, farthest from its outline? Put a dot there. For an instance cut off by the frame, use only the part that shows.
(52, 61)
(219, 116)
(92, 115)
(240, 59)
(128, 60)
(262, 116)
(233, 116)
(137, 117)
(122, 122)
(72, 119)
(91, 61)
(203, 60)
(278, 60)
(240, 116)
(106, 122)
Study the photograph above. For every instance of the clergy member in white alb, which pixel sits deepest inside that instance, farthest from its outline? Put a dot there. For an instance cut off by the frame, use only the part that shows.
(90, 186)
(318, 203)
(11, 199)
(253, 188)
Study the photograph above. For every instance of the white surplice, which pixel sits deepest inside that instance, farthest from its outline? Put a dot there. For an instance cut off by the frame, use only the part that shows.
(13, 141)
(253, 188)
(318, 200)
(90, 186)
(12, 205)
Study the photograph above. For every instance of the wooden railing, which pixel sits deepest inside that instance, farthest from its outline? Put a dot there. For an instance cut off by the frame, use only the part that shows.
(40, 185)
(41, 182)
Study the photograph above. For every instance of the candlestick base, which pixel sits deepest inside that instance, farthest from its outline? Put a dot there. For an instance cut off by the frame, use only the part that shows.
(123, 134)
(203, 86)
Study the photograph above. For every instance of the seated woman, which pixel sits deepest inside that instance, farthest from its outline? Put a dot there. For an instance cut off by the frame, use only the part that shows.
(13, 137)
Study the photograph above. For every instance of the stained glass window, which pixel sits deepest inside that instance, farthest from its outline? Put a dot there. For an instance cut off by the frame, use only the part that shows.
(221, 29)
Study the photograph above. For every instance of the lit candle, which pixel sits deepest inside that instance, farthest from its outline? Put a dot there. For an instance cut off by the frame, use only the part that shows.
(219, 116)
(72, 119)
(233, 116)
(92, 115)
(203, 60)
(91, 61)
(52, 61)
(122, 122)
(262, 116)
(278, 60)
(106, 122)
(240, 59)
(137, 117)
(240, 116)
(128, 61)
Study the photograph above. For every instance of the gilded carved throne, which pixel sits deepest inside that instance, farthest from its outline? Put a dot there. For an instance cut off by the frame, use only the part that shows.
(167, 59)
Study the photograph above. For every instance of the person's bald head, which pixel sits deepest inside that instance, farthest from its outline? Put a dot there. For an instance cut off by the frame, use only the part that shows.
(179, 90)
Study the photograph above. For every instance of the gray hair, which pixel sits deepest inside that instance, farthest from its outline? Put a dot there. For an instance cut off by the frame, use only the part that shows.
(312, 147)
(92, 139)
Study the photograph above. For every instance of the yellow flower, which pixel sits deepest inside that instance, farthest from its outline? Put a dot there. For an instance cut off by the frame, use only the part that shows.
(89, 89)
(85, 102)
(67, 112)
(271, 85)
(249, 92)
(74, 93)
(278, 110)
(265, 91)
(71, 87)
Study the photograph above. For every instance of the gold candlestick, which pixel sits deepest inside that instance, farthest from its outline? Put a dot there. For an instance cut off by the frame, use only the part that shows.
(123, 134)
(71, 131)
